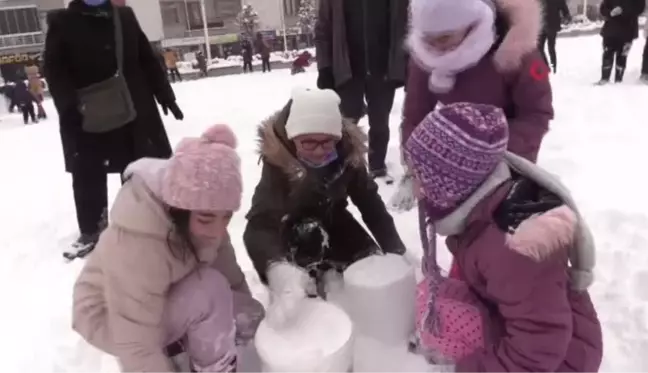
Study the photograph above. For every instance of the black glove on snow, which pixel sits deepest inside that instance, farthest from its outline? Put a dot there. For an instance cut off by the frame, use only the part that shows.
(325, 79)
(174, 108)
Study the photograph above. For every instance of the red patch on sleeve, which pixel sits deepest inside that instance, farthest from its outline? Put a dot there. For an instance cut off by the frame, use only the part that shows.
(539, 70)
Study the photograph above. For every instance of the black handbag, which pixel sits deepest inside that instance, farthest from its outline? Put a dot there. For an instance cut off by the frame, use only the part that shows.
(107, 105)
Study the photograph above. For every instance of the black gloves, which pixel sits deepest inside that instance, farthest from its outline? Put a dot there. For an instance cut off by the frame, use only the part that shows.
(173, 107)
(325, 79)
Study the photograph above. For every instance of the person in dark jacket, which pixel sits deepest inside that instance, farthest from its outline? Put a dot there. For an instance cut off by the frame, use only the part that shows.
(201, 60)
(360, 54)
(644, 60)
(555, 12)
(24, 99)
(621, 27)
(263, 48)
(246, 49)
(299, 229)
(80, 51)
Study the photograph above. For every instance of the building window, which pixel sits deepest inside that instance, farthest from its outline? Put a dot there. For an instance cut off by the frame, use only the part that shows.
(24, 20)
(291, 7)
(227, 8)
(196, 21)
(170, 14)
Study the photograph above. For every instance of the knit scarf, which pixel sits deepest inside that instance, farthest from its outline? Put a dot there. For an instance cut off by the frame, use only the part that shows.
(444, 66)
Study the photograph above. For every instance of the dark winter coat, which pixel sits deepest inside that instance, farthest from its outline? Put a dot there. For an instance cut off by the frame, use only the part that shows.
(524, 95)
(514, 252)
(624, 27)
(80, 51)
(246, 48)
(262, 48)
(21, 96)
(293, 207)
(332, 40)
(555, 12)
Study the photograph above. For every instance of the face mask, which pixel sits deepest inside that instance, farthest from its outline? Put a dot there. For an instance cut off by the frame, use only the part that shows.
(95, 2)
(329, 159)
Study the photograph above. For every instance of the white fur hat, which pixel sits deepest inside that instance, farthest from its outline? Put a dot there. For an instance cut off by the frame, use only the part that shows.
(435, 16)
(314, 111)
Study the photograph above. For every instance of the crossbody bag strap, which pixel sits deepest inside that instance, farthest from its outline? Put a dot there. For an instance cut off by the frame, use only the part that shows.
(119, 40)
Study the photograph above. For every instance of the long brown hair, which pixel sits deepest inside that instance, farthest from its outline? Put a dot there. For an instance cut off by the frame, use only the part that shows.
(180, 232)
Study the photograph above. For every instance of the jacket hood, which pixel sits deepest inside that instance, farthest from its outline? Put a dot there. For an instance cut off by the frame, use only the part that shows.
(275, 148)
(539, 236)
(524, 19)
(138, 208)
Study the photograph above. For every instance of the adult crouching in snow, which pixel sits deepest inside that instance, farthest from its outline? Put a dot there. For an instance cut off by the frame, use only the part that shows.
(164, 277)
(458, 54)
(80, 65)
(518, 301)
(299, 229)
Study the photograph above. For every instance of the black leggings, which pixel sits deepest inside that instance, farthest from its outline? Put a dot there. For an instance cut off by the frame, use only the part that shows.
(28, 112)
(549, 39)
(644, 62)
(614, 51)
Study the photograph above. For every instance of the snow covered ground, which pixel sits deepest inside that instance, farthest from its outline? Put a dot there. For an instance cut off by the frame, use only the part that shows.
(596, 145)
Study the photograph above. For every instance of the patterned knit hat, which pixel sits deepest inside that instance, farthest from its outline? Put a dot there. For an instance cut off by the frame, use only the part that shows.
(204, 174)
(453, 150)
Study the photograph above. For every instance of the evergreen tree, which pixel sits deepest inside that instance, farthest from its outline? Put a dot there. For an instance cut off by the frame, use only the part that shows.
(307, 17)
(248, 21)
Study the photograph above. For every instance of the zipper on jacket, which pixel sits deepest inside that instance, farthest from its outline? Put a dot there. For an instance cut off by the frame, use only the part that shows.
(365, 42)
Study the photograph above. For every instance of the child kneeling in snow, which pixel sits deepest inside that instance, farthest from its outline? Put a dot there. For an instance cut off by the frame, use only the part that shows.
(299, 228)
(163, 280)
(525, 256)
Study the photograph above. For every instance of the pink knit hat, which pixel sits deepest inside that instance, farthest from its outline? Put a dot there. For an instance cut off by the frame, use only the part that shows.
(204, 174)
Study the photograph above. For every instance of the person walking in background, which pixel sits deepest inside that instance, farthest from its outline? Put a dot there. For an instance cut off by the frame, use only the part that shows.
(201, 60)
(81, 50)
(263, 48)
(360, 54)
(171, 61)
(644, 62)
(36, 88)
(246, 50)
(620, 28)
(164, 280)
(24, 100)
(555, 13)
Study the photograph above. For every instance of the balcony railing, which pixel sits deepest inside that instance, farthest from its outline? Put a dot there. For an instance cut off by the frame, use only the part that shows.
(21, 40)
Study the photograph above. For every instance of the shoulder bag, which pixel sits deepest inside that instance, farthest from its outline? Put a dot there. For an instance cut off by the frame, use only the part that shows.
(107, 105)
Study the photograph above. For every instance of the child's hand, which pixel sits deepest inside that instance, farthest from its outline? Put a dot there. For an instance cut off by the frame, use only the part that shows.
(616, 11)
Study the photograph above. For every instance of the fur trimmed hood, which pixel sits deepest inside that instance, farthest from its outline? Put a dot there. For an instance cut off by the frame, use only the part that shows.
(541, 235)
(275, 148)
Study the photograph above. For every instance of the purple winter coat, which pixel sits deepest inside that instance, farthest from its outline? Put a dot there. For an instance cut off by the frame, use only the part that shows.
(524, 95)
(536, 323)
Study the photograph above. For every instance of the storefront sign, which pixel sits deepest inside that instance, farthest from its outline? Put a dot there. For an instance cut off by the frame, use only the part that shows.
(199, 40)
(290, 31)
(20, 58)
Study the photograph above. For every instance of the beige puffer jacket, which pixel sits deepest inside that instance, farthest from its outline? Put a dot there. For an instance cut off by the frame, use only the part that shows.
(119, 297)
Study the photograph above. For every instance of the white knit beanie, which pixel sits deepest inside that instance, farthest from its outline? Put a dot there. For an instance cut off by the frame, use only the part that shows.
(314, 111)
(436, 16)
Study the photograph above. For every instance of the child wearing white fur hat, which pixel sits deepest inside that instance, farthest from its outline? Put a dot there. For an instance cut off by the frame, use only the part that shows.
(299, 227)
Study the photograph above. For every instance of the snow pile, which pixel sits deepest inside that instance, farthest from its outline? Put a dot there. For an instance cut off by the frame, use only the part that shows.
(381, 293)
(320, 339)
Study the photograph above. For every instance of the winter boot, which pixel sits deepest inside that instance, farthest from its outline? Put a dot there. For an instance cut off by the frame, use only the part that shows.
(644, 78)
(381, 174)
(602, 82)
